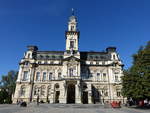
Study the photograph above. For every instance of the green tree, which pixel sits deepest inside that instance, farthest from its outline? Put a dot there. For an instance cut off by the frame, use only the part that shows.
(7, 86)
(136, 80)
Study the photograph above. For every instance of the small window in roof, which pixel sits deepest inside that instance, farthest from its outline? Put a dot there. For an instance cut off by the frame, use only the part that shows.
(53, 57)
(96, 57)
(91, 57)
(47, 56)
(41, 56)
(102, 57)
(61, 57)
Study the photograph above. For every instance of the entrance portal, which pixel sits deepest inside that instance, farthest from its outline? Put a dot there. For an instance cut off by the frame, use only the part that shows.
(85, 97)
(57, 96)
(71, 94)
(95, 95)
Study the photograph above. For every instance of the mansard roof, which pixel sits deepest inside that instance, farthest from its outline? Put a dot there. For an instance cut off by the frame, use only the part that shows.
(53, 55)
(84, 55)
(92, 55)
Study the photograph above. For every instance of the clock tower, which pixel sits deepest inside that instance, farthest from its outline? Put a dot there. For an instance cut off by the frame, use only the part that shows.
(72, 37)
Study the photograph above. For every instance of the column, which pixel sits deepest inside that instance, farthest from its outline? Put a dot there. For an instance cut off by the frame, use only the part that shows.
(62, 96)
(19, 74)
(65, 92)
(17, 93)
(89, 93)
(32, 73)
(29, 93)
(52, 96)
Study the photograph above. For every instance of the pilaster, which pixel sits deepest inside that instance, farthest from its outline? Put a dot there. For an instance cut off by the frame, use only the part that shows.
(77, 93)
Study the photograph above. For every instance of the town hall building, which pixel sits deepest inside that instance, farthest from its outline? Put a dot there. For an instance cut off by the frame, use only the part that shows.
(69, 76)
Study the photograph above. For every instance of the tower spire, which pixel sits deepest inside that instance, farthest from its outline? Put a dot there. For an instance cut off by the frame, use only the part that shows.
(72, 11)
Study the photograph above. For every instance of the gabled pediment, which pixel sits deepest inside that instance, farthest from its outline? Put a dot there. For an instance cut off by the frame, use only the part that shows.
(71, 58)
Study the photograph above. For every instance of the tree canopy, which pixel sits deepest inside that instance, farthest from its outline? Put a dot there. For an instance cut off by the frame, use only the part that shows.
(7, 86)
(136, 80)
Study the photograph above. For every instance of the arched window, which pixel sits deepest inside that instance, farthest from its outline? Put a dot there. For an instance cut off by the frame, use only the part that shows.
(22, 91)
(25, 75)
(56, 85)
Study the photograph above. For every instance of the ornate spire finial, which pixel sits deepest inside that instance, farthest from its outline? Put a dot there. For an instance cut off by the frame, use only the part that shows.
(72, 11)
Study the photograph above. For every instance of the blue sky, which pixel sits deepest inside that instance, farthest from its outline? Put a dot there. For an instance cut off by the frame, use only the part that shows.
(102, 23)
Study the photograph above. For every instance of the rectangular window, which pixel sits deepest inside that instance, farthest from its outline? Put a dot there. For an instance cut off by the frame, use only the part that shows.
(44, 76)
(72, 28)
(71, 44)
(104, 77)
(70, 72)
(59, 75)
(50, 76)
(116, 78)
(98, 74)
(114, 57)
(38, 76)
(118, 93)
(22, 91)
(25, 75)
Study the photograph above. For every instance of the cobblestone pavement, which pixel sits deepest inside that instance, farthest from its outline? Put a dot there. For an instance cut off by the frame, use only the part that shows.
(67, 108)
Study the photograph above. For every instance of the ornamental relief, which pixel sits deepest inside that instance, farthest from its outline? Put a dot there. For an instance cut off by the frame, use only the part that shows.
(72, 63)
(95, 70)
(116, 71)
(49, 68)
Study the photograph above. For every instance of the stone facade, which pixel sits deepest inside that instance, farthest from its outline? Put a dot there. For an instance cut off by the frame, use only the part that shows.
(69, 76)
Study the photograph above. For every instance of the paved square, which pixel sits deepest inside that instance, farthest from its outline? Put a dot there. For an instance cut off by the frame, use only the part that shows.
(67, 108)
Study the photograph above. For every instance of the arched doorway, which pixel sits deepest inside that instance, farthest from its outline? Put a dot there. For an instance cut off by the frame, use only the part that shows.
(85, 97)
(71, 93)
(57, 96)
(95, 95)
(84, 94)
